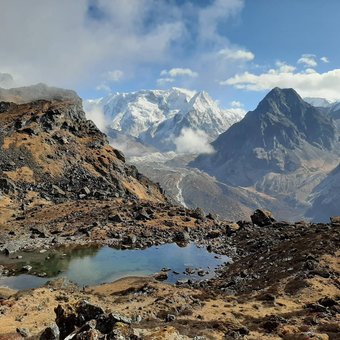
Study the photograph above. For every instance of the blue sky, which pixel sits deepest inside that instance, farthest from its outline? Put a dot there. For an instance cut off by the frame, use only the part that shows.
(236, 50)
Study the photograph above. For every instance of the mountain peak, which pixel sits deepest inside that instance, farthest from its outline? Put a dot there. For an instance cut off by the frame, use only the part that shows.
(284, 95)
(285, 102)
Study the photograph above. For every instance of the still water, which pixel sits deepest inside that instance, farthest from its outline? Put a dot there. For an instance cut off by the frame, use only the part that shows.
(91, 266)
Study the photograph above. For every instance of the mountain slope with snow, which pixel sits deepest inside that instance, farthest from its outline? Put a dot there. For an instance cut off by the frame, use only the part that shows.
(201, 116)
(158, 117)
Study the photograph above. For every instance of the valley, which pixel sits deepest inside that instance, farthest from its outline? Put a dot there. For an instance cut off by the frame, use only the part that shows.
(75, 215)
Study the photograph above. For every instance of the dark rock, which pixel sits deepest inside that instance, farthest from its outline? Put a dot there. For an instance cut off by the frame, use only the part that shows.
(39, 231)
(119, 155)
(50, 333)
(321, 272)
(130, 239)
(142, 215)
(162, 276)
(182, 236)
(169, 224)
(26, 268)
(262, 218)
(328, 302)
(212, 216)
(116, 218)
(88, 311)
(213, 234)
(270, 325)
(23, 332)
(190, 270)
(267, 297)
(10, 249)
(6, 185)
(198, 213)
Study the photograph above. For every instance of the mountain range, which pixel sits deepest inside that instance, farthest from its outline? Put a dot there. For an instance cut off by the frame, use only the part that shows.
(157, 117)
(283, 156)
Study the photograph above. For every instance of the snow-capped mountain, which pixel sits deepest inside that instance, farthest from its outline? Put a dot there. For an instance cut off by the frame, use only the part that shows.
(331, 107)
(200, 114)
(135, 112)
(158, 117)
(318, 102)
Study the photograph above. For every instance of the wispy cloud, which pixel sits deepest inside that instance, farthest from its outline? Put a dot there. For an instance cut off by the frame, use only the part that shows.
(236, 54)
(178, 72)
(308, 60)
(324, 60)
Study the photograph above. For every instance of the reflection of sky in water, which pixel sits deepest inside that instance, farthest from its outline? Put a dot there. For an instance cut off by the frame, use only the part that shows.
(108, 264)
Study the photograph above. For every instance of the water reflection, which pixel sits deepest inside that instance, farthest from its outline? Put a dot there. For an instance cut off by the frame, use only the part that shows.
(90, 266)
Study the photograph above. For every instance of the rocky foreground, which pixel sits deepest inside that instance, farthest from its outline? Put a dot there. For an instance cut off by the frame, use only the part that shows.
(283, 283)
(62, 185)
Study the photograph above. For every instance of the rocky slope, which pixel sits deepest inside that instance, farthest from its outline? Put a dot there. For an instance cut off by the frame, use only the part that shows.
(284, 148)
(50, 154)
(326, 197)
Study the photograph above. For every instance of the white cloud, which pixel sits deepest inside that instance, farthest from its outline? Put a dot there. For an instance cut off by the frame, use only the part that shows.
(309, 83)
(193, 141)
(236, 104)
(210, 17)
(282, 67)
(308, 60)
(114, 76)
(179, 72)
(103, 87)
(75, 42)
(164, 81)
(71, 46)
(95, 113)
(238, 111)
(236, 55)
(6, 80)
(325, 60)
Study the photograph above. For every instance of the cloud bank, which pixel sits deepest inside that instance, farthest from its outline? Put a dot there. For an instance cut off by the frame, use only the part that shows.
(308, 82)
(193, 141)
(99, 43)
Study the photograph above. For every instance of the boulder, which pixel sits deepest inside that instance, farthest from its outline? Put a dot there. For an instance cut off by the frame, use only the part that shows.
(130, 239)
(50, 333)
(57, 191)
(262, 218)
(116, 218)
(198, 213)
(335, 220)
(162, 276)
(182, 237)
(88, 311)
